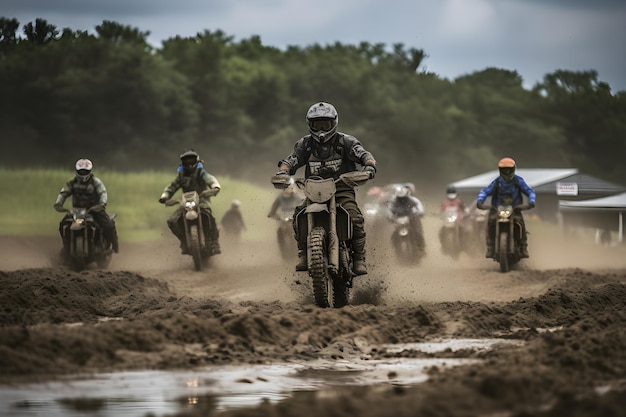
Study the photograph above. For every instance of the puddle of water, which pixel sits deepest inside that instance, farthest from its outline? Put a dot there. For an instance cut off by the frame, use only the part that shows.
(454, 345)
(131, 394)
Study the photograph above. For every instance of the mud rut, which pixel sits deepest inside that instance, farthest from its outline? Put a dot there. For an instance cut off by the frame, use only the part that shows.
(150, 310)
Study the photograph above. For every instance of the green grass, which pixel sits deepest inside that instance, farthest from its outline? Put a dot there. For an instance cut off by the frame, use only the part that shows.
(29, 196)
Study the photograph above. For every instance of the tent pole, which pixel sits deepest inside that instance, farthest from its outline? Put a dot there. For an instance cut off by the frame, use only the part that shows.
(620, 234)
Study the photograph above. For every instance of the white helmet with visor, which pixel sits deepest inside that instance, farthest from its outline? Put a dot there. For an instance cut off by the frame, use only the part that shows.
(83, 169)
(322, 119)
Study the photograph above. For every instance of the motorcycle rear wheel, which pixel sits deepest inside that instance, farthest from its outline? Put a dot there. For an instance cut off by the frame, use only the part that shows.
(318, 269)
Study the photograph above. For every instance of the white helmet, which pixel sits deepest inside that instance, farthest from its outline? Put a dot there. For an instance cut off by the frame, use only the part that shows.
(402, 191)
(322, 119)
(83, 169)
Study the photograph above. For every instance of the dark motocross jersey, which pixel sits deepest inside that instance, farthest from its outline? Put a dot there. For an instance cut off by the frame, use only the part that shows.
(339, 155)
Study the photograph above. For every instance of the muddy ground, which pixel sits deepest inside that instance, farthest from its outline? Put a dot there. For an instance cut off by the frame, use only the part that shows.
(150, 310)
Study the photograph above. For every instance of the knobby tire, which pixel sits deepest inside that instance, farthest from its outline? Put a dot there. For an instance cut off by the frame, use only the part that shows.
(318, 269)
(194, 247)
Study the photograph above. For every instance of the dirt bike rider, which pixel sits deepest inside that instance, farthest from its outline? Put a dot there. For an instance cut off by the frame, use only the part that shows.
(328, 153)
(286, 201)
(191, 176)
(87, 191)
(453, 200)
(507, 189)
(232, 221)
(402, 203)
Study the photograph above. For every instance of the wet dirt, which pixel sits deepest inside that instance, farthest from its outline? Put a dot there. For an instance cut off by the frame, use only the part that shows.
(150, 312)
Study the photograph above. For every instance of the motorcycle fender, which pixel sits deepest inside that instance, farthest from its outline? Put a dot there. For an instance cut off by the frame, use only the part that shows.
(316, 208)
(191, 215)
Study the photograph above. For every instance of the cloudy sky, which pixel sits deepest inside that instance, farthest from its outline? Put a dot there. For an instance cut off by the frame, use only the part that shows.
(532, 37)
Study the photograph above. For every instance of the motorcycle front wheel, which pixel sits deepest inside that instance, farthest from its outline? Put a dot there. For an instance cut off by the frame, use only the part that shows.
(503, 252)
(318, 269)
(194, 247)
(79, 259)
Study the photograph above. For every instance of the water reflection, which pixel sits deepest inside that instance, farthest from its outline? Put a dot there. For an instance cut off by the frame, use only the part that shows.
(130, 394)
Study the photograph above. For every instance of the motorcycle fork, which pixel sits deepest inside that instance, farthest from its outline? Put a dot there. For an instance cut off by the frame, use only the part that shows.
(509, 224)
(331, 231)
(73, 235)
(201, 236)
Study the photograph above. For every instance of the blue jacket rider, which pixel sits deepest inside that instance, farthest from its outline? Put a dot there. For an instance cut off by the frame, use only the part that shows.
(191, 176)
(507, 189)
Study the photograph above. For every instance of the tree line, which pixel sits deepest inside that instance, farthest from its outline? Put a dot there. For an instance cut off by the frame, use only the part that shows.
(130, 106)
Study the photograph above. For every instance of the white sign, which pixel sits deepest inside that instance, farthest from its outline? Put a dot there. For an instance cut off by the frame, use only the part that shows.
(566, 188)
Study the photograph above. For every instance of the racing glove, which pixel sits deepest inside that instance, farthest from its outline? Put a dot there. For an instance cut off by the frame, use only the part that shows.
(371, 170)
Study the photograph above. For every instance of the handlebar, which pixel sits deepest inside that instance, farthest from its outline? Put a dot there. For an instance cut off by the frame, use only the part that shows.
(94, 209)
(211, 192)
(517, 208)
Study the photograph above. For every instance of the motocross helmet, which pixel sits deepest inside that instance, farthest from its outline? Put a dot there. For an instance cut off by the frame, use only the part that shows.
(83, 169)
(506, 166)
(189, 160)
(235, 203)
(402, 191)
(322, 119)
(410, 186)
(451, 193)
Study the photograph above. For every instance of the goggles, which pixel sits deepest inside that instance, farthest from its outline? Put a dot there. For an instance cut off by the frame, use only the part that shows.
(321, 125)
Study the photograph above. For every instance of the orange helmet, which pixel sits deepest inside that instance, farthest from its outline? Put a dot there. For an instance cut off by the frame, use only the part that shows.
(506, 166)
(506, 163)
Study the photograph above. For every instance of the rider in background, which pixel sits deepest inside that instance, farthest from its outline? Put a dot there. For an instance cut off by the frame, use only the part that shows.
(401, 203)
(507, 189)
(191, 176)
(327, 153)
(453, 200)
(87, 191)
(232, 221)
(287, 201)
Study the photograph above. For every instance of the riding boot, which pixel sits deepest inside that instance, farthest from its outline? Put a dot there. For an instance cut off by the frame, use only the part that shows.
(184, 250)
(491, 250)
(114, 241)
(358, 264)
(523, 247)
(215, 247)
(302, 264)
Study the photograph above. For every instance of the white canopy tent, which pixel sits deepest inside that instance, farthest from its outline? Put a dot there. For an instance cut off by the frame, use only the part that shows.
(603, 213)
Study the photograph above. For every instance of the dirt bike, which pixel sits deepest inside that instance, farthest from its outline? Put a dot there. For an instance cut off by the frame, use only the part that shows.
(404, 241)
(328, 230)
(284, 235)
(451, 233)
(195, 227)
(87, 243)
(508, 233)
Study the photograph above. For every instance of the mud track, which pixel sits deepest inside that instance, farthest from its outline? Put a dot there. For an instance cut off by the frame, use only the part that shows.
(150, 310)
